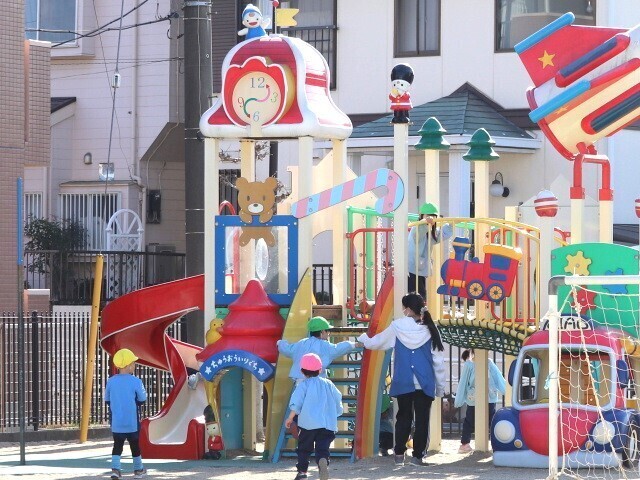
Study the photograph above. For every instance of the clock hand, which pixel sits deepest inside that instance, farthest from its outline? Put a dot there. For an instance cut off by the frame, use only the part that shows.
(244, 108)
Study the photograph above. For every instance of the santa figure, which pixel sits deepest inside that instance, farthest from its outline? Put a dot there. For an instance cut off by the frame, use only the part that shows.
(401, 80)
(215, 445)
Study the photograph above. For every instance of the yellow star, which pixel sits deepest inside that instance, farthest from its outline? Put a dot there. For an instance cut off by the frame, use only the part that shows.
(547, 59)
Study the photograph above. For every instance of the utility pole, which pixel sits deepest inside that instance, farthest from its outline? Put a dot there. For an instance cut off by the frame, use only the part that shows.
(198, 84)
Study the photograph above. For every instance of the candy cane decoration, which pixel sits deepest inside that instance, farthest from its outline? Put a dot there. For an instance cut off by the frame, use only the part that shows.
(382, 177)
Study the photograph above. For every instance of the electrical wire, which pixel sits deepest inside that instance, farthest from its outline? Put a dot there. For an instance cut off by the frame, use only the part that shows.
(113, 104)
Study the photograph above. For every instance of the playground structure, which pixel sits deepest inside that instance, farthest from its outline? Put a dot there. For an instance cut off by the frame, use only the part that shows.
(491, 302)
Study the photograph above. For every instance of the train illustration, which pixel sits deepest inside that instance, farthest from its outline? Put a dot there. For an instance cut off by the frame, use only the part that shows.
(491, 280)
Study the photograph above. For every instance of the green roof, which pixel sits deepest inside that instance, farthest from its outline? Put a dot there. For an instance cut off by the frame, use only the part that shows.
(461, 113)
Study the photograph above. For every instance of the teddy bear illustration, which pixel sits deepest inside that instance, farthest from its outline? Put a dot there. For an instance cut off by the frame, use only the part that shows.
(256, 199)
(215, 445)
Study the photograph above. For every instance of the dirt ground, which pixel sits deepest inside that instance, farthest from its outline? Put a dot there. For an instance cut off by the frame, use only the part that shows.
(72, 460)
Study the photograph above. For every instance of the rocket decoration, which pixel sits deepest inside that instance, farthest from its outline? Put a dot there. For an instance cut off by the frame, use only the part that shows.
(587, 82)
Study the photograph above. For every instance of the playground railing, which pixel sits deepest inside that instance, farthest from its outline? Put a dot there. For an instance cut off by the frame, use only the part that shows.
(323, 39)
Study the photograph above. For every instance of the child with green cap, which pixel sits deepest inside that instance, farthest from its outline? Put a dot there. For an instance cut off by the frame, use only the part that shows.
(317, 342)
(123, 393)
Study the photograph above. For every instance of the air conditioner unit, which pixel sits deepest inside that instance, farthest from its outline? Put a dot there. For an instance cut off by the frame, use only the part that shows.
(162, 268)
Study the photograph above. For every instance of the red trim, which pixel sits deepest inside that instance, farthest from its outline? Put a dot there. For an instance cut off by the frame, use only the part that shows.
(586, 121)
(622, 42)
(544, 126)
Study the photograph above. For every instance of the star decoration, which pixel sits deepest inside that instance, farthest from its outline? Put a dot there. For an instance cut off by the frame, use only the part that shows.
(586, 299)
(547, 59)
(615, 289)
(261, 371)
(577, 264)
(207, 370)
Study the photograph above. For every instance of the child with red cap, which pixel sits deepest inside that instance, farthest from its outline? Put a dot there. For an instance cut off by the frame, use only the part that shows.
(318, 404)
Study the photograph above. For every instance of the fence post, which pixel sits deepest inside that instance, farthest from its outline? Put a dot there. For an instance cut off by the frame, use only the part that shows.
(35, 370)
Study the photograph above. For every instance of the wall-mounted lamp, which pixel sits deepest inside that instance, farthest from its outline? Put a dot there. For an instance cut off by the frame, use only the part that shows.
(497, 188)
(87, 159)
(589, 8)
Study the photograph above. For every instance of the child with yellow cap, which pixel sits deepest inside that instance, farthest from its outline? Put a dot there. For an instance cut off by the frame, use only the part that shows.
(123, 393)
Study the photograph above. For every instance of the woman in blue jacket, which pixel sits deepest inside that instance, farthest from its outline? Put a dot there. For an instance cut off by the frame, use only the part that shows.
(466, 393)
(418, 373)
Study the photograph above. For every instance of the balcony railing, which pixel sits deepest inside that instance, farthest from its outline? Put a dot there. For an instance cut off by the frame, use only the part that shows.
(69, 274)
(323, 39)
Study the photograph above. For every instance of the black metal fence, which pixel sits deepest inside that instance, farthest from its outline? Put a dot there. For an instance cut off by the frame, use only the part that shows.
(55, 361)
(69, 275)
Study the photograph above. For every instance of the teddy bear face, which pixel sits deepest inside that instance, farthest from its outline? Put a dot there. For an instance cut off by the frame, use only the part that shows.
(256, 198)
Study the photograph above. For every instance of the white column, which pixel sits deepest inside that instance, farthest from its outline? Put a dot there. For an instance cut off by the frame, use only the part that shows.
(434, 301)
(553, 387)
(400, 217)
(606, 221)
(305, 188)
(459, 185)
(546, 246)
(577, 208)
(481, 198)
(339, 215)
(211, 195)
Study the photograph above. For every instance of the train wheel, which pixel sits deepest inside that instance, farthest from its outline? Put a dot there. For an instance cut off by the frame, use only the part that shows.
(475, 289)
(496, 292)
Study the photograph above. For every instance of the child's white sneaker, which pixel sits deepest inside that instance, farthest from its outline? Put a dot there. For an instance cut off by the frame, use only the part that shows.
(116, 474)
(323, 468)
(139, 473)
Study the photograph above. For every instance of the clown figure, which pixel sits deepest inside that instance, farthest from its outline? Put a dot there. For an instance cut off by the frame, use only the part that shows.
(254, 23)
(215, 445)
(401, 80)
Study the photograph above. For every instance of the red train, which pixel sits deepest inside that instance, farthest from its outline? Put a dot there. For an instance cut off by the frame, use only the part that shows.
(491, 280)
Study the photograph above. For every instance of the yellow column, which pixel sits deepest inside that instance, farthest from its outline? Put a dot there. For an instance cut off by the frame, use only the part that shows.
(339, 229)
(305, 188)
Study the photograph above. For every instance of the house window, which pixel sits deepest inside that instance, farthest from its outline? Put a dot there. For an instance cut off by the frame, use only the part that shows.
(317, 25)
(92, 211)
(417, 28)
(518, 19)
(32, 206)
(49, 15)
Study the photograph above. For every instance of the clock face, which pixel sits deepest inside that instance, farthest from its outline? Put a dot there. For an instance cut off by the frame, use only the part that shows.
(257, 98)
(256, 93)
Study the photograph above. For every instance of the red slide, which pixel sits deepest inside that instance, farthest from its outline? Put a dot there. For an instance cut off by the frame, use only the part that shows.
(138, 321)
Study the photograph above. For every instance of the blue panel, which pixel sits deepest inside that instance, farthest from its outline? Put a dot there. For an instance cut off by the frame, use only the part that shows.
(255, 365)
(557, 24)
(559, 100)
(224, 221)
(231, 412)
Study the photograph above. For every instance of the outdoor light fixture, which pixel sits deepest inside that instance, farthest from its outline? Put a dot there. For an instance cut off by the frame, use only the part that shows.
(589, 8)
(497, 188)
(87, 158)
(106, 172)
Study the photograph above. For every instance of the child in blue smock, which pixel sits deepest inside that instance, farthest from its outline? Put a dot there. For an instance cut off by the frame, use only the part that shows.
(123, 393)
(466, 394)
(318, 404)
(317, 342)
